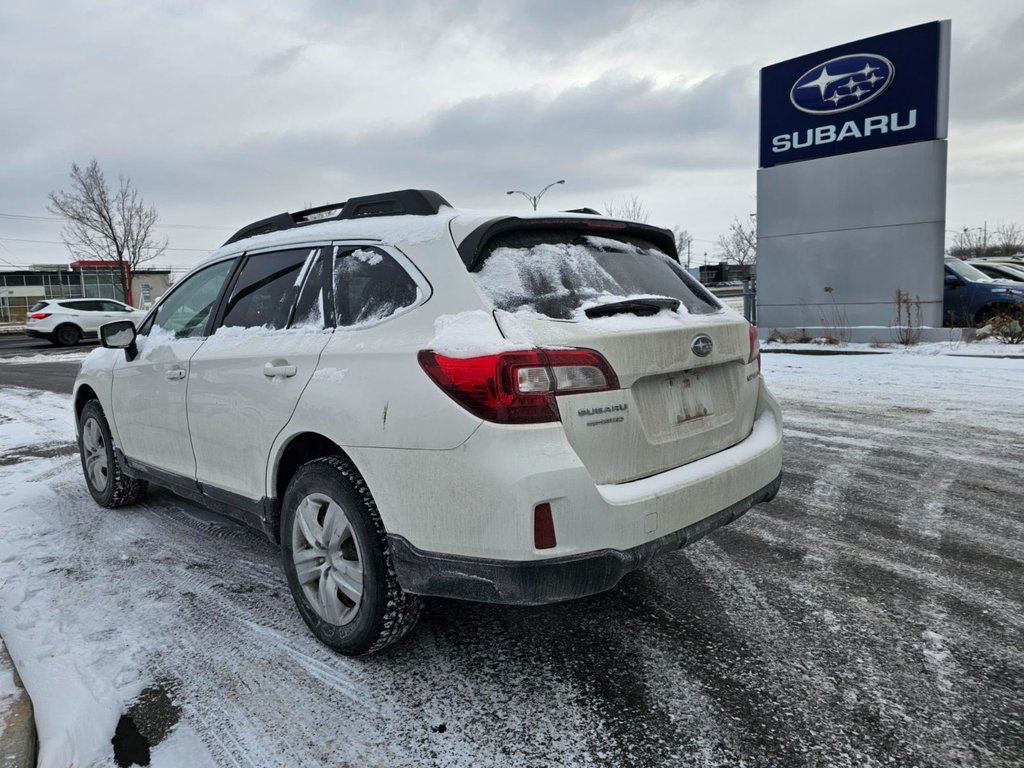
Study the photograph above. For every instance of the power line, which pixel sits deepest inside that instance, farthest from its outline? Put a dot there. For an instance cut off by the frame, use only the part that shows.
(28, 217)
(57, 242)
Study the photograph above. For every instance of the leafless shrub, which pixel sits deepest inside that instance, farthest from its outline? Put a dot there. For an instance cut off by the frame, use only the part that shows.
(1008, 327)
(906, 327)
(834, 320)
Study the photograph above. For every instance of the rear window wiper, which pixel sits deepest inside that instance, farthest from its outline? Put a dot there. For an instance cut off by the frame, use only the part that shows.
(648, 305)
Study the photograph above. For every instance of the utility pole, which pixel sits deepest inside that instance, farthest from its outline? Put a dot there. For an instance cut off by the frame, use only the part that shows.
(534, 199)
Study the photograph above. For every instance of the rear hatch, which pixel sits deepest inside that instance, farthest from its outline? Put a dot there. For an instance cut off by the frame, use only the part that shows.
(687, 385)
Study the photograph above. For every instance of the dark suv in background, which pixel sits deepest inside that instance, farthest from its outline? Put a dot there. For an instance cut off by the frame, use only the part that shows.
(972, 298)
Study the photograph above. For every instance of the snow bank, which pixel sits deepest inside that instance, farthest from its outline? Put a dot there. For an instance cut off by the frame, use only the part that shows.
(62, 357)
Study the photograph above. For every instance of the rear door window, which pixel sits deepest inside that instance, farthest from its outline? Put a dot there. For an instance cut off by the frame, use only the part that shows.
(369, 286)
(113, 306)
(265, 290)
(84, 305)
(560, 274)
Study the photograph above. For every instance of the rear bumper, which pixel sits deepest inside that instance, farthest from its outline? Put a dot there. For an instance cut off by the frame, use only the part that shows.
(537, 582)
(38, 334)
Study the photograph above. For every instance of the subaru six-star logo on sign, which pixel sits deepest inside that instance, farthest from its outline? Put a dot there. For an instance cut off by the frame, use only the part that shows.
(842, 83)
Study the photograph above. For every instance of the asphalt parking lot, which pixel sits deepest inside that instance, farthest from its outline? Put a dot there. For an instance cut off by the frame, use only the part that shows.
(871, 616)
(58, 376)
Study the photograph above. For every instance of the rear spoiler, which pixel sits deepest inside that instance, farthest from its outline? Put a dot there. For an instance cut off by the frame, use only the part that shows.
(471, 249)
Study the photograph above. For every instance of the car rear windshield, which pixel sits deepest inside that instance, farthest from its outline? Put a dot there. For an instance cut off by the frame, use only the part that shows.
(38, 306)
(561, 273)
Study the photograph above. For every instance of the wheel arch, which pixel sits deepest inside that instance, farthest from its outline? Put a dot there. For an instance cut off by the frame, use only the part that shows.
(83, 395)
(65, 324)
(990, 310)
(297, 450)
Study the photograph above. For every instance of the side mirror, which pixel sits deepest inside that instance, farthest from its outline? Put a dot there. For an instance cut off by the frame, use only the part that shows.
(953, 280)
(120, 334)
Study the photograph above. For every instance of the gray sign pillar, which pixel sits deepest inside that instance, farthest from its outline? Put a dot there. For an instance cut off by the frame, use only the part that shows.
(850, 209)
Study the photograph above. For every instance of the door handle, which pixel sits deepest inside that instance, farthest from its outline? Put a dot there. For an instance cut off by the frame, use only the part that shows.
(175, 373)
(277, 368)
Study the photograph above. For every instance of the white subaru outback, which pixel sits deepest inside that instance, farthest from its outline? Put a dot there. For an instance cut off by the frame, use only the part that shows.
(414, 400)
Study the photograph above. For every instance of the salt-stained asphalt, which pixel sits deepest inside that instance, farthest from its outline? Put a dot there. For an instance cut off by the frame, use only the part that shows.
(871, 616)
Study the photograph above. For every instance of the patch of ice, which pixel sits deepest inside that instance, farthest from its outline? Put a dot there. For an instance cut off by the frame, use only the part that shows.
(938, 658)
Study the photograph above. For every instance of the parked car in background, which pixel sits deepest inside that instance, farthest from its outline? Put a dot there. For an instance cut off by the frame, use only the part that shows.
(413, 400)
(972, 298)
(999, 270)
(65, 322)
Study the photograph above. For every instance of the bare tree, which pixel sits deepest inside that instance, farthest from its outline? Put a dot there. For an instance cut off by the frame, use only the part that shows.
(107, 224)
(1009, 239)
(629, 208)
(971, 243)
(684, 240)
(739, 244)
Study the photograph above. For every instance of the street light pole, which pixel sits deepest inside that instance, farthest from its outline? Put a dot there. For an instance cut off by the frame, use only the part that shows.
(534, 199)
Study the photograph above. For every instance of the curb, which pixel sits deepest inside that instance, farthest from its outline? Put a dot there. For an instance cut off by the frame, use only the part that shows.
(18, 743)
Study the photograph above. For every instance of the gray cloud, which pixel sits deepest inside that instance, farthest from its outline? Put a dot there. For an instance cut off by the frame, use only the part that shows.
(986, 80)
(225, 112)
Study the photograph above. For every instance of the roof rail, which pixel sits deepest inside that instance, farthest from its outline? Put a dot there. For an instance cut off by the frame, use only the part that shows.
(583, 210)
(402, 202)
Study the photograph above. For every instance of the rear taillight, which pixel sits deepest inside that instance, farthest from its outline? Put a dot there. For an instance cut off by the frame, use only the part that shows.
(518, 387)
(40, 315)
(755, 348)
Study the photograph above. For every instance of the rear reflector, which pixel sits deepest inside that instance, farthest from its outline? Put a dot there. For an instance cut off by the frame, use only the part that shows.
(755, 348)
(518, 387)
(543, 527)
(40, 315)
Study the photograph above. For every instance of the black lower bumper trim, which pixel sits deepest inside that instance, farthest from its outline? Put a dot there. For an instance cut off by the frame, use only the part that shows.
(536, 582)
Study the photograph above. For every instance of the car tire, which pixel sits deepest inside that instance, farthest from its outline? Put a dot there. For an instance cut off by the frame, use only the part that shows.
(336, 556)
(108, 484)
(67, 335)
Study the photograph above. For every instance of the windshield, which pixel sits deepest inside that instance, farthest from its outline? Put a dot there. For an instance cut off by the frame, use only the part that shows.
(560, 274)
(1008, 272)
(967, 272)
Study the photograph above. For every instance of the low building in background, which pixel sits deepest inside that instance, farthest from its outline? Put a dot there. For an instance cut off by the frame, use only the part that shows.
(20, 289)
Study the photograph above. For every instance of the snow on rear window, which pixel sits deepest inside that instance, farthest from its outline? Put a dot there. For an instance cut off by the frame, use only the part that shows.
(558, 273)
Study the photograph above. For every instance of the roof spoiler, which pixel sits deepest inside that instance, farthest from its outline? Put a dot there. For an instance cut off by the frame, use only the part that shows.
(474, 244)
(402, 202)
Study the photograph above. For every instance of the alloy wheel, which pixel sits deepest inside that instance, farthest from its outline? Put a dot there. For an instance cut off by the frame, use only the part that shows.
(95, 450)
(328, 562)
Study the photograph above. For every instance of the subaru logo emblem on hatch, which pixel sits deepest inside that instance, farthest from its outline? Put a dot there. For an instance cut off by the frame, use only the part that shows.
(843, 83)
(702, 345)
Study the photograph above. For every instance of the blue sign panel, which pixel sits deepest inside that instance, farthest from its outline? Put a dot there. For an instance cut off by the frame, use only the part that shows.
(872, 93)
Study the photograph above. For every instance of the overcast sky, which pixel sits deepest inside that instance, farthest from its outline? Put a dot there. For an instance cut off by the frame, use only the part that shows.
(227, 112)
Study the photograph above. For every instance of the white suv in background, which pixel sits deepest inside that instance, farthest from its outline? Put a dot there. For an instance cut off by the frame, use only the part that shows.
(413, 400)
(65, 322)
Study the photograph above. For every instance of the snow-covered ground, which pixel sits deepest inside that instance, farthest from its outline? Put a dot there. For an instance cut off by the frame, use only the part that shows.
(987, 348)
(871, 615)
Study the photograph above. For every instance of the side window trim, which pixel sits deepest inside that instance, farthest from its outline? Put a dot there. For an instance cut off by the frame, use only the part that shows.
(425, 289)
